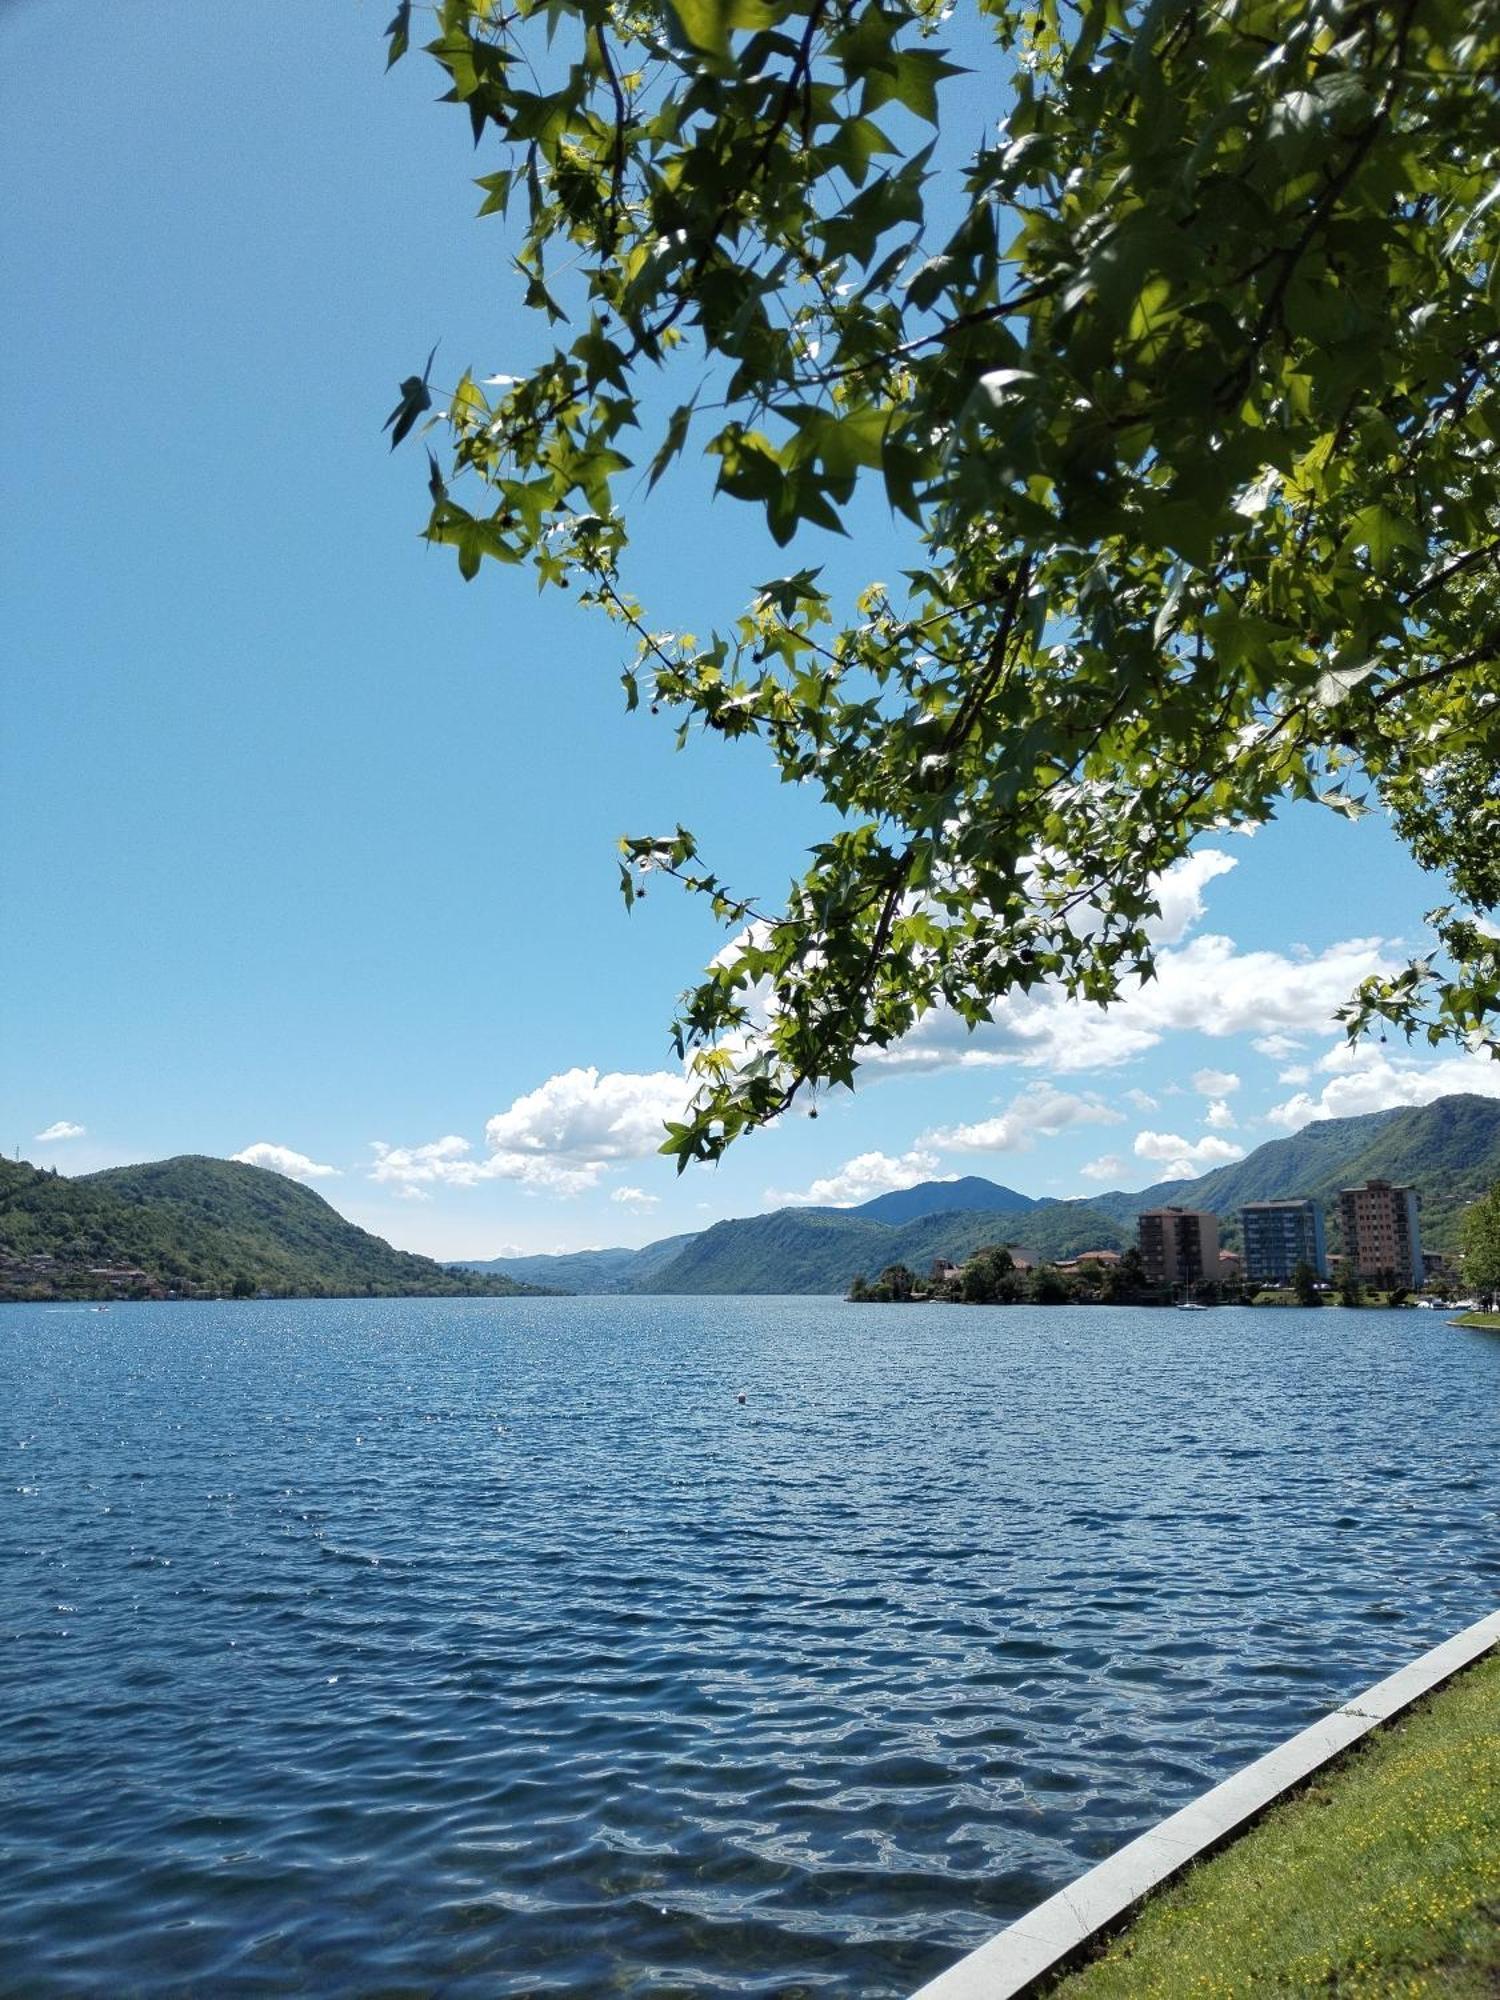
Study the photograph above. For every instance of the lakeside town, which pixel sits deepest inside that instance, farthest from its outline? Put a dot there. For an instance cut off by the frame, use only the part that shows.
(1178, 1258)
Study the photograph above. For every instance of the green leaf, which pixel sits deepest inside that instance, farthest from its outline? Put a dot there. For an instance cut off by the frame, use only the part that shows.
(398, 34)
(672, 442)
(416, 398)
(1381, 531)
(707, 24)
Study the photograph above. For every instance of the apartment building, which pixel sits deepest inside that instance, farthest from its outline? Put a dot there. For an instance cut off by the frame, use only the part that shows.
(1381, 1234)
(1179, 1246)
(1280, 1235)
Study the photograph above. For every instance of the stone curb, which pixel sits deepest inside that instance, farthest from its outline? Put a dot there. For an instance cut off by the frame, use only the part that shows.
(1059, 1928)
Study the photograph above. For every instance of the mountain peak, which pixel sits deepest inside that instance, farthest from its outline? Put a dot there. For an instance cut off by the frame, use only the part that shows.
(956, 1197)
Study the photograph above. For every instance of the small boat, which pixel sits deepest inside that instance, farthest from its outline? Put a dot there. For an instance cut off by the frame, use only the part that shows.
(1190, 1306)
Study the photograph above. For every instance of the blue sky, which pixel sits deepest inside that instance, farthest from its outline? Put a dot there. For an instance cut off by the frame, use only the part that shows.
(307, 845)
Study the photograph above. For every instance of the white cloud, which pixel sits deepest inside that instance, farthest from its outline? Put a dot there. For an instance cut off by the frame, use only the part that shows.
(1181, 1158)
(583, 1115)
(1215, 988)
(1208, 987)
(1365, 1078)
(861, 1179)
(1040, 1111)
(1108, 1167)
(284, 1160)
(1294, 1073)
(448, 1161)
(439, 1160)
(636, 1198)
(410, 1193)
(1141, 1099)
(1218, 1115)
(1276, 1046)
(1205, 985)
(1038, 1031)
(561, 1137)
(63, 1129)
(1215, 1082)
(1180, 893)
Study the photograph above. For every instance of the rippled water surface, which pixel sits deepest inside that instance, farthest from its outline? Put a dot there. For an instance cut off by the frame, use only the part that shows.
(493, 1647)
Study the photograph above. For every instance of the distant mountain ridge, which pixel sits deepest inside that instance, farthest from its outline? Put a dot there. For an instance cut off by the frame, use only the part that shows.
(954, 1197)
(196, 1225)
(1450, 1149)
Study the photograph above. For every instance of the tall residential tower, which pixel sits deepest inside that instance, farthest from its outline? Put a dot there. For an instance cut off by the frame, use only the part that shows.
(1280, 1235)
(1179, 1246)
(1381, 1235)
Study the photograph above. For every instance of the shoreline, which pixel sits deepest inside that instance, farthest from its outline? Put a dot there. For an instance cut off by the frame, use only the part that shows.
(1060, 1933)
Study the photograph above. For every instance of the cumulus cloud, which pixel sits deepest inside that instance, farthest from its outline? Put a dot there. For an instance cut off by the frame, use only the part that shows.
(1141, 1099)
(583, 1115)
(1215, 988)
(636, 1198)
(1204, 984)
(1108, 1167)
(1215, 1082)
(1180, 893)
(1276, 1046)
(439, 1160)
(1208, 987)
(1294, 1073)
(1040, 1111)
(561, 1137)
(1366, 1078)
(1181, 1158)
(1038, 1031)
(285, 1160)
(861, 1179)
(63, 1129)
(450, 1161)
(1218, 1115)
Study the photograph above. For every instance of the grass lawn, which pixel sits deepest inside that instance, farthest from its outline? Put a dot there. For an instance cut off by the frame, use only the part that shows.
(1380, 1877)
(1491, 1320)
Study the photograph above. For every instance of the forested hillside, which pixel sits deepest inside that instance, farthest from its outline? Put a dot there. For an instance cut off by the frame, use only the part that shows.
(197, 1226)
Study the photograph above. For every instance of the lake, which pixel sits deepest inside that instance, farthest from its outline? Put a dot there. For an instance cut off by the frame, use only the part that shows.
(482, 1647)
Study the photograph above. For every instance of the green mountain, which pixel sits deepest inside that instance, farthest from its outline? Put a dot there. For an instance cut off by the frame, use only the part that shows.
(1449, 1149)
(823, 1250)
(796, 1249)
(597, 1273)
(199, 1226)
(940, 1198)
(1278, 1171)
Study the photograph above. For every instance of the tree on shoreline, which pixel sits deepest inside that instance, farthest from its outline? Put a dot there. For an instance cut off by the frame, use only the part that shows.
(1481, 1247)
(1189, 401)
(989, 1279)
